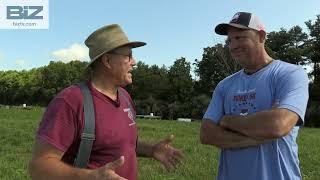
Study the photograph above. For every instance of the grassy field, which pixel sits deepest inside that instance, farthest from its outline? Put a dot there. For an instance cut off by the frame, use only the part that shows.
(18, 126)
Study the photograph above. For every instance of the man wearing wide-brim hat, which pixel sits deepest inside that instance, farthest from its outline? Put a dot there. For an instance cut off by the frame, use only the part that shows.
(114, 149)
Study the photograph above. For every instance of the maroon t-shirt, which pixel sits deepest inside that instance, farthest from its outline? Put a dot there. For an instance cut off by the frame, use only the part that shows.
(115, 128)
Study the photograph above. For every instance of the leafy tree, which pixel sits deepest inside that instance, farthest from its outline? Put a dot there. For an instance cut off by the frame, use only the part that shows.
(58, 75)
(313, 48)
(199, 105)
(10, 85)
(288, 45)
(149, 89)
(216, 64)
(181, 88)
(180, 81)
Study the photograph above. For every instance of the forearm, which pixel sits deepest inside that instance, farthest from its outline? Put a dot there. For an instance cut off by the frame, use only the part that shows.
(220, 137)
(144, 149)
(52, 169)
(270, 124)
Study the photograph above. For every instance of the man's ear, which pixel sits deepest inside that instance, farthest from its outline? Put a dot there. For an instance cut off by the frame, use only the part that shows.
(262, 36)
(105, 60)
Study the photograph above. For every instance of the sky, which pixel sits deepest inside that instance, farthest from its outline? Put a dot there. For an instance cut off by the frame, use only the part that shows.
(171, 28)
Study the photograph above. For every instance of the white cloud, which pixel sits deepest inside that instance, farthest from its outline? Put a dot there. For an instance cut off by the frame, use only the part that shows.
(20, 62)
(74, 52)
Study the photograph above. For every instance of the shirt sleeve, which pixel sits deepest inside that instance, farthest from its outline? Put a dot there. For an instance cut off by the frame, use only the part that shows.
(58, 125)
(215, 110)
(292, 92)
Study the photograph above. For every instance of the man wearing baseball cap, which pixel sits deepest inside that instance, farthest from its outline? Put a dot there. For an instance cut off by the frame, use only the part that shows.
(255, 114)
(114, 150)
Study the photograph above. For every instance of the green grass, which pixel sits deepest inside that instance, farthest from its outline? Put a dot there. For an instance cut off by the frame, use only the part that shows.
(18, 126)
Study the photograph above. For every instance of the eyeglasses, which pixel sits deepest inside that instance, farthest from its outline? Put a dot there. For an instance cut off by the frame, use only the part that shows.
(121, 54)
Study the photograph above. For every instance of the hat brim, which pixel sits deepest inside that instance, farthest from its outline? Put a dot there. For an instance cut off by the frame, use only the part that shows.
(133, 44)
(222, 29)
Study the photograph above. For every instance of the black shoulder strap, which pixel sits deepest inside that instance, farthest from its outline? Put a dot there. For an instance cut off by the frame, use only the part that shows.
(88, 135)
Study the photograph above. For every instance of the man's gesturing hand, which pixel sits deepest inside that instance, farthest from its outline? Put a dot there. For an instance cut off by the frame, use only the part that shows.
(166, 154)
(107, 172)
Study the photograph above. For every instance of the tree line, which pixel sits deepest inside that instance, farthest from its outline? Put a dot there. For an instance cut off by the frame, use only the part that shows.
(172, 92)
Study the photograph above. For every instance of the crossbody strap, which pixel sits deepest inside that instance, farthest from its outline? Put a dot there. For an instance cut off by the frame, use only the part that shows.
(88, 134)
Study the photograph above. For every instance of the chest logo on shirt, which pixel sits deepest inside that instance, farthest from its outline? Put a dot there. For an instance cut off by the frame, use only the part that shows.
(243, 102)
(130, 115)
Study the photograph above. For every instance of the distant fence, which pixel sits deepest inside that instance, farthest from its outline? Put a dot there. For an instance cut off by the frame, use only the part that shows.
(23, 106)
(148, 117)
(184, 119)
(151, 116)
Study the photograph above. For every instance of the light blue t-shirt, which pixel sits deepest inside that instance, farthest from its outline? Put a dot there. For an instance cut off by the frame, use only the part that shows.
(278, 85)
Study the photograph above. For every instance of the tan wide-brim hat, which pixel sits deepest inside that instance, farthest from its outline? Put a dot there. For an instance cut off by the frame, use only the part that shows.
(106, 39)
